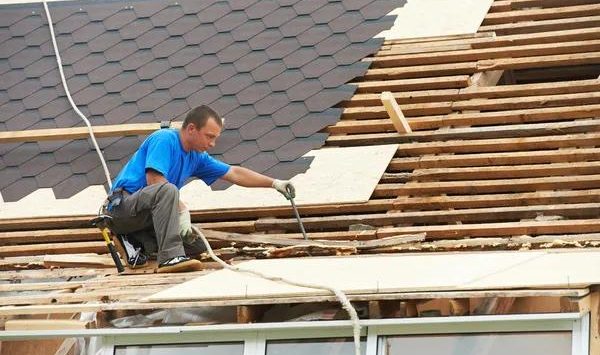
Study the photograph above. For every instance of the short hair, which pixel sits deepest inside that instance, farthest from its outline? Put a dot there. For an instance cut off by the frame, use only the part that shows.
(199, 115)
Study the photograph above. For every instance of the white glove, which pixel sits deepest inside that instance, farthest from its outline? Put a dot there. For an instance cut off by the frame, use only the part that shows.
(185, 224)
(285, 187)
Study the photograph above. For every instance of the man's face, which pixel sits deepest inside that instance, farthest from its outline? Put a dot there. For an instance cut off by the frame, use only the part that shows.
(206, 137)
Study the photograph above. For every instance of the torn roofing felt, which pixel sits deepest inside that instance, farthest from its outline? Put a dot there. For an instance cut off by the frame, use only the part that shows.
(274, 70)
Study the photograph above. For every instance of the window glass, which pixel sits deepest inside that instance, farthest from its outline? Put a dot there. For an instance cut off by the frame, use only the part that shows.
(182, 349)
(329, 346)
(543, 343)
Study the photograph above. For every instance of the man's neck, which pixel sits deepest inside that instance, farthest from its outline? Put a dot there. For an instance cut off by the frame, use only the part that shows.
(184, 143)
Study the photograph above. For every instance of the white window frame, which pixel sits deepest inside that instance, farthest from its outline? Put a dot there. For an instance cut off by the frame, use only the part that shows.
(255, 336)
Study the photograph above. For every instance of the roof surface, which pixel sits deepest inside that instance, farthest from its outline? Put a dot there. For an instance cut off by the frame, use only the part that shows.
(487, 167)
(273, 69)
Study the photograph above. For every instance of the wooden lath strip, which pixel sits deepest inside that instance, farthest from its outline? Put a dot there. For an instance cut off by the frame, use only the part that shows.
(541, 14)
(498, 229)
(474, 187)
(550, 114)
(476, 215)
(543, 25)
(520, 91)
(506, 171)
(135, 305)
(53, 248)
(81, 132)
(490, 132)
(500, 145)
(539, 197)
(520, 51)
(498, 41)
(447, 82)
(566, 155)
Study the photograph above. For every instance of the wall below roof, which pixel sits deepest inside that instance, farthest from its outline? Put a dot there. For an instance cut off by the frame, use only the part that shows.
(427, 18)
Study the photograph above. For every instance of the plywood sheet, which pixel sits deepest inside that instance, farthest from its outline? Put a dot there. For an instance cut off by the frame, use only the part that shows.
(398, 273)
(336, 175)
(427, 18)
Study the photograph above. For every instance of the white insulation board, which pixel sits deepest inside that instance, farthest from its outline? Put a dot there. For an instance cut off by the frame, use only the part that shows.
(397, 273)
(428, 18)
(336, 175)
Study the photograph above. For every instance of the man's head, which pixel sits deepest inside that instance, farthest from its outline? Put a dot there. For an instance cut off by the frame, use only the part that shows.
(201, 128)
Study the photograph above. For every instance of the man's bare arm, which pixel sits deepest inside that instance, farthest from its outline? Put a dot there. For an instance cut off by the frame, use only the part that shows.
(245, 177)
(154, 177)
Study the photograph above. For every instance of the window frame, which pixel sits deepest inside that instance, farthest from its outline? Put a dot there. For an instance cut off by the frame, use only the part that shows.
(255, 336)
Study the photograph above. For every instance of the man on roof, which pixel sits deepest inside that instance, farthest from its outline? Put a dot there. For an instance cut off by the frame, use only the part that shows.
(144, 201)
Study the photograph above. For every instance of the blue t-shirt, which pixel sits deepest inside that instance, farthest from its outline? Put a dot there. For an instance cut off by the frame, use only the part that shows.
(163, 152)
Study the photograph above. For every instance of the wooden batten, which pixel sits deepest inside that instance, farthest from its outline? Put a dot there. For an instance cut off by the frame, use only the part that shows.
(395, 113)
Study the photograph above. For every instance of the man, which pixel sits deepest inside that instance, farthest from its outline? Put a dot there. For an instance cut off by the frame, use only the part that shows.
(144, 200)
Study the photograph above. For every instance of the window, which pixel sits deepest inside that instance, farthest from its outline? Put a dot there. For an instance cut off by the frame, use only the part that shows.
(543, 343)
(329, 346)
(182, 349)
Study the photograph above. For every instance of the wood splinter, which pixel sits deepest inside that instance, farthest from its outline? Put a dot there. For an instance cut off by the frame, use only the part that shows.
(395, 113)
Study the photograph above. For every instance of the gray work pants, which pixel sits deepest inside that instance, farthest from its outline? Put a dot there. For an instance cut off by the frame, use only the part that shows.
(151, 216)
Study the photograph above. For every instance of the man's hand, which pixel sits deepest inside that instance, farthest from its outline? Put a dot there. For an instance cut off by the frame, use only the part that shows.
(285, 187)
(185, 224)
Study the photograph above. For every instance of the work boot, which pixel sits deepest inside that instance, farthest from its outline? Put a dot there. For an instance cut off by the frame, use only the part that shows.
(179, 264)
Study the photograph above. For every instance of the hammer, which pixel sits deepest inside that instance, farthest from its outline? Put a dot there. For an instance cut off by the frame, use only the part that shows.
(102, 223)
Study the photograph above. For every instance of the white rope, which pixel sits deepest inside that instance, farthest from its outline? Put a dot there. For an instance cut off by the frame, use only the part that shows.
(338, 293)
(64, 82)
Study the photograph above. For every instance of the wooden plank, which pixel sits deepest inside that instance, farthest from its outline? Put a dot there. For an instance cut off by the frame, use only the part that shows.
(321, 210)
(559, 60)
(448, 82)
(43, 324)
(543, 25)
(492, 159)
(540, 14)
(74, 260)
(502, 91)
(500, 145)
(512, 103)
(22, 224)
(553, 36)
(519, 51)
(129, 293)
(488, 186)
(52, 248)
(421, 71)
(506, 171)
(491, 132)
(522, 4)
(395, 113)
(497, 229)
(61, 273)
(515, 213)
(529, 115)
(50, 235)
(81, 132)
(407, 99)
(361, 113)
(537, 89)
(539, 197)
(123, 305)
(281, 241)
(499, 243)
